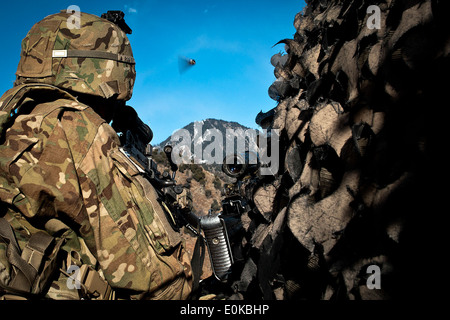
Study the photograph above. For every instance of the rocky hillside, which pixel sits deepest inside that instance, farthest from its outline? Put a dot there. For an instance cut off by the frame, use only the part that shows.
(203, 180)
(203, 186)
(361, 93)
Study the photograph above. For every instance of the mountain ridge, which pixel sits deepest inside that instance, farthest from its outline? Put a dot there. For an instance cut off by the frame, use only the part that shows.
(209, 123)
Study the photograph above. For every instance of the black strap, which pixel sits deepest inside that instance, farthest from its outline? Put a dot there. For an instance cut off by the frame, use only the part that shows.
(36, 249)
(25, 273)
(7, 233)
(27, 264)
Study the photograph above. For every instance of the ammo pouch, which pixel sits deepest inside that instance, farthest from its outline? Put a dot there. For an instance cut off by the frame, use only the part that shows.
(31, 268)
(28, 273)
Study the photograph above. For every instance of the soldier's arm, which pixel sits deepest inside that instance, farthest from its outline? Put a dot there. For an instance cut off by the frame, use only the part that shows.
(131, 242)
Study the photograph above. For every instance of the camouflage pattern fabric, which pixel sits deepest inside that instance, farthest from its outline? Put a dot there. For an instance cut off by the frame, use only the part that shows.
(59, 161)
(84, 74)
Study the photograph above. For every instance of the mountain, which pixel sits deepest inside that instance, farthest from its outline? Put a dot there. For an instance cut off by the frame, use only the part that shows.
(208, 124)
(205, 142)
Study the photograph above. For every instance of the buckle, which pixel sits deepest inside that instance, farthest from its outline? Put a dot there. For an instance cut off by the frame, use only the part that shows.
(94, 285)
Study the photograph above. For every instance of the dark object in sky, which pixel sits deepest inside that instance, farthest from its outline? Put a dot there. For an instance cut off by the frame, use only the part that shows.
(185, 63)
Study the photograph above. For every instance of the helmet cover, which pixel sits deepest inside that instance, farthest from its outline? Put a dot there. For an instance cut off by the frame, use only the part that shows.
(95, 58)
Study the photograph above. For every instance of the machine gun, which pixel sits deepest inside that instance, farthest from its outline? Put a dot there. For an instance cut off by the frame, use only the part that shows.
(135, 140)
(236, 196)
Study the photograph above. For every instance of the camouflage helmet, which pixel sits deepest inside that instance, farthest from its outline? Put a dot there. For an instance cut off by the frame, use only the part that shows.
(93, 56)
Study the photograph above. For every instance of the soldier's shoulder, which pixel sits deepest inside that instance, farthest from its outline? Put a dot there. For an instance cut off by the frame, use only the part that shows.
(72, 114)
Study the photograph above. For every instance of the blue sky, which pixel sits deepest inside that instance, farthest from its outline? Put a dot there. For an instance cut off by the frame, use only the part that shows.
(231, 42)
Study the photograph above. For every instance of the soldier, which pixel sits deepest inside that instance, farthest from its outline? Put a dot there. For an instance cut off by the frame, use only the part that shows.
(76, 218)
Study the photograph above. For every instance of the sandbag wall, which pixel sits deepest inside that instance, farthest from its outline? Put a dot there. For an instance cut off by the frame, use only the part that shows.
(360, 107)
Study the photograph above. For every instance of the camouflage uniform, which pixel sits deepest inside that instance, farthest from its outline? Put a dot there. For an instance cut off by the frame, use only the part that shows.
(61, 170)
